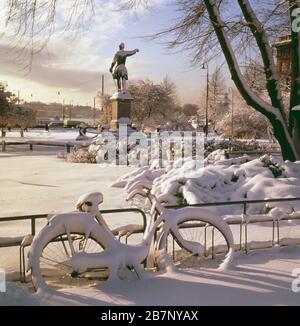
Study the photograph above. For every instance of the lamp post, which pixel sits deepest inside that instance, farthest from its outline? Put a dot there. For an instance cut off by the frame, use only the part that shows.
(63, 107)
(70, 109)
(232, 112)
(205, 66)
(94, 112)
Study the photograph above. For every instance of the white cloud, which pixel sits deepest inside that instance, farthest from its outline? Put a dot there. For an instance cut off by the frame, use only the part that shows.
(69, 54)
(74, 59)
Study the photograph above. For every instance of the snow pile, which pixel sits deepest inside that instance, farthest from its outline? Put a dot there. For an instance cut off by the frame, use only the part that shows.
(225, 180)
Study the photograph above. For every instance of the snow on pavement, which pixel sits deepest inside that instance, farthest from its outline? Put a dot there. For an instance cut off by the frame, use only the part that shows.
(259, 278)
(45, 184)
(38, 184)
(38, 134)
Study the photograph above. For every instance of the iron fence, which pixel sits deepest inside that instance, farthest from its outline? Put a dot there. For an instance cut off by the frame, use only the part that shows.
(237, 219)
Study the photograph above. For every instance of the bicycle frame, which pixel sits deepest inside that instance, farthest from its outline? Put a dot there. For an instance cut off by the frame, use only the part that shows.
(116, 256)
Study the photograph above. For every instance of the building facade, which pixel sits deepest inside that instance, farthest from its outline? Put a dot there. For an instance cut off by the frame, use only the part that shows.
(284, 57)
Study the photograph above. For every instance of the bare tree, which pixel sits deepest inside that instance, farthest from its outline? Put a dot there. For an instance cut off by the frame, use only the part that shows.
(207, 28)
(248, 124)
(31, 23)
(106, 112)
(202, 28)
(217, 90)
(190, 109)
(4, 107)
(21, 117)
(153, 103)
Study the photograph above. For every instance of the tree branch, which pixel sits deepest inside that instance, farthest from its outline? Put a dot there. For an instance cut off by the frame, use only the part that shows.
(265, 49)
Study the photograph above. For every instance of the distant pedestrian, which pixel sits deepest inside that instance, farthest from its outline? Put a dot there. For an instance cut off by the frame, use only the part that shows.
(47, 127)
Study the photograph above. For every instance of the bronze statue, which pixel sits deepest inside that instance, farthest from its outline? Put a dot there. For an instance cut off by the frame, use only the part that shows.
(120, 72)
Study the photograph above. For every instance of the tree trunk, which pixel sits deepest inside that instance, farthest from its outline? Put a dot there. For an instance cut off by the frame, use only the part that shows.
(273, 114)
(295, 83)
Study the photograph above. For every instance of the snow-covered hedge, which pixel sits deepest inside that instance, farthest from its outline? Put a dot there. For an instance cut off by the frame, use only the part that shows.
(108, 150)
(237, 145)
(225, 180)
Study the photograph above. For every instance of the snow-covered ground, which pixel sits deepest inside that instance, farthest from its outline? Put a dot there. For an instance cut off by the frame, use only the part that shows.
(40, 134)
(32, 183)
(39, 184)
(259, 278)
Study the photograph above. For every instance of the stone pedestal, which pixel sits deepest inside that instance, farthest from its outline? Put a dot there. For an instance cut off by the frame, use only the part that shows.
(121, 109)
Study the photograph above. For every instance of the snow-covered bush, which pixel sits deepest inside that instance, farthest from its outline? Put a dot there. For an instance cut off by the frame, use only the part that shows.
(236, 145)
(225, 180)
(82, 155)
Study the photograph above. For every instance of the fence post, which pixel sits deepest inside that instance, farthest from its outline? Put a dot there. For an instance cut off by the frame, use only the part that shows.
(3, 146)
(149, 148)
(33, 226)
(246, 227)
(278, 232)
(194, 145)
(160, 145)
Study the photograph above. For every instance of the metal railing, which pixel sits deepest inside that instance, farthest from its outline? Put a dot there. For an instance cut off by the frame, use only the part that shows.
(239, 221)
(258, 153)
(14, 242)
(244, 222)
(5, 144)
(34, 218)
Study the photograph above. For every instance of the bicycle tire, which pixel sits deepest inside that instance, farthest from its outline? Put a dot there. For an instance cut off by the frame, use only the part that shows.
(193, 241)
(51, 249)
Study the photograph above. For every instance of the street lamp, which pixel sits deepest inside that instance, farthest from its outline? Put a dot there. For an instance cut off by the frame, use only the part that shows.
(63, 107)
(70, 109)
(94, 112)
(232, 116)
(205, 66)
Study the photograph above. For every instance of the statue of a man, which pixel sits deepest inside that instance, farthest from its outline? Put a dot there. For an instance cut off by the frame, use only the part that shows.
(120, 72)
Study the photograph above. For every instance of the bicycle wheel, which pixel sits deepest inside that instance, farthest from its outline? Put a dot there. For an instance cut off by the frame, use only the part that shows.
(198, 241)
(66, 237)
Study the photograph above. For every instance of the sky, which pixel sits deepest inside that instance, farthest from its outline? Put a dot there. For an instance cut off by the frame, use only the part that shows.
(70, 67)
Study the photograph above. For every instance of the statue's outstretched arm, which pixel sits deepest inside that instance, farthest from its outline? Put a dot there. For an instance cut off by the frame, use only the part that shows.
(130, 53)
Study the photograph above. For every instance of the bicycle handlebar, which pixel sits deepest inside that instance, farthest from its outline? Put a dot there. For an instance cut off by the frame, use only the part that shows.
(135, 192)
(156, 205)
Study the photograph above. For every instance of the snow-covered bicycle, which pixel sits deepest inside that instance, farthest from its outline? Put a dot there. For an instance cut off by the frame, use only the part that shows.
(78, 248)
